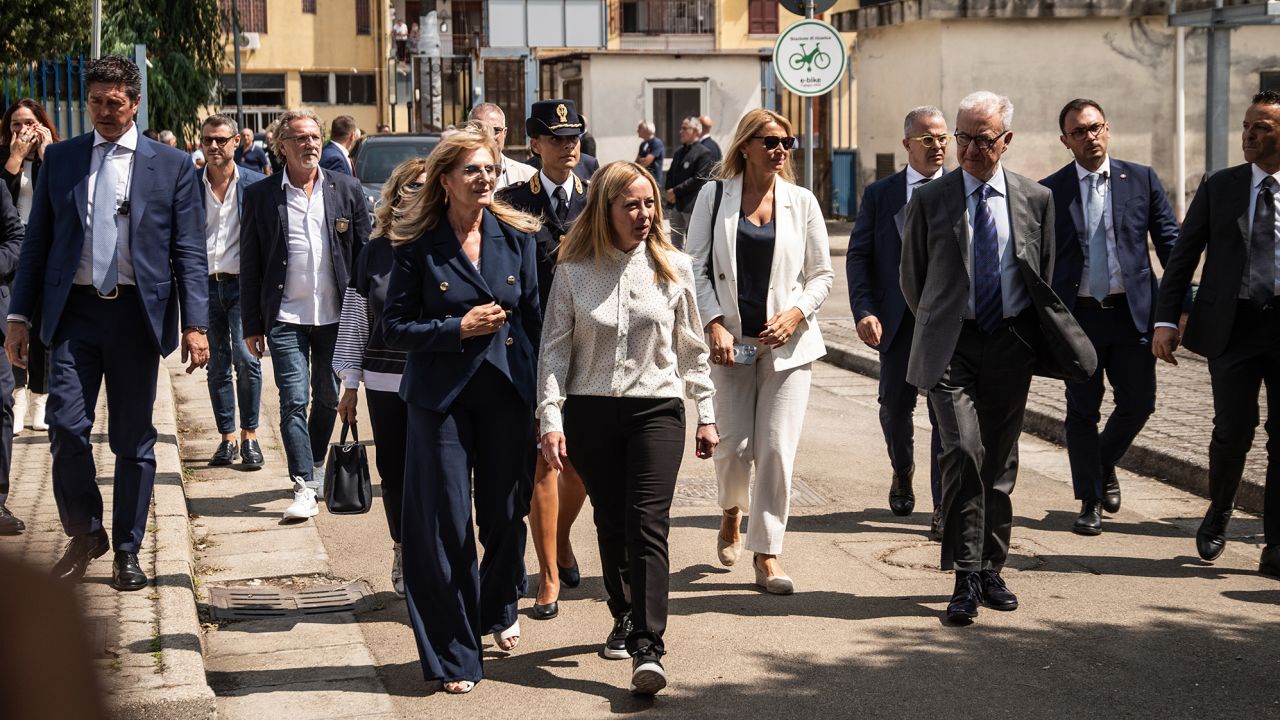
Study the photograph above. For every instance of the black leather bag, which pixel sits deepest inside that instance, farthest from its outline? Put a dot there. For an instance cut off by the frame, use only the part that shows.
(347, 487)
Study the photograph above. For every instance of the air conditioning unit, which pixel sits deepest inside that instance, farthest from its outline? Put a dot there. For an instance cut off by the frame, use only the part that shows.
(250, 41)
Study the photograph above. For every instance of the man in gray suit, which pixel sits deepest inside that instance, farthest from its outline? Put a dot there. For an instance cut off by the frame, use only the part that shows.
(977, 257)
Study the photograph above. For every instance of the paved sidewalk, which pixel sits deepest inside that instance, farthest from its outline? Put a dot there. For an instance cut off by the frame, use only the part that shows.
(146, 643)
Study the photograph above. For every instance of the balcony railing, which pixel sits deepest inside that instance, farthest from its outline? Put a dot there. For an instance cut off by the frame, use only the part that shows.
(661, 17)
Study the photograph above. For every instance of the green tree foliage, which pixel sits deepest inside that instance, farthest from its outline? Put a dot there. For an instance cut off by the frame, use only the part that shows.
(184, 42)
(38, 29)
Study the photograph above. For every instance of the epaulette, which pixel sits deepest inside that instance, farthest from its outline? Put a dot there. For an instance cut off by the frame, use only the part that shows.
(535, 184)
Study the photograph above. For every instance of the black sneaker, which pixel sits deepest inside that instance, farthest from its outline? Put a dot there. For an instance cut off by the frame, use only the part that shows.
(615, 646)
(647, 675)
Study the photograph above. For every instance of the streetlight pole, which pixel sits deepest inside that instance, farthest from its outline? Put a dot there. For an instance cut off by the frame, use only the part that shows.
(96, 50)
(235, 29)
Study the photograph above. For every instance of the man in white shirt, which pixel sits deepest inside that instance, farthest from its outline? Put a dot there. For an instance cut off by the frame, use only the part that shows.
(292, 276)
(513, 171)
(222, 185)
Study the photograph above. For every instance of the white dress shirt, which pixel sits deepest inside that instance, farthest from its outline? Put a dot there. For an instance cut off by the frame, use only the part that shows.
(916, 179)
(1012, 291)
(1255, 187)
(310, 285)
(550, 187)
(611, 330)
(222, 226)
(1085, 181)
(26, 191)
(123, 159)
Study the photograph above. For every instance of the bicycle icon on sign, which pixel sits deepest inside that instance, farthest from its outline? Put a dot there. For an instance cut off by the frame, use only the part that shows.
(810, 59)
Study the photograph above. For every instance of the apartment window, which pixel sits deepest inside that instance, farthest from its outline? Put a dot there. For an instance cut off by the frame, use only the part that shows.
(253, 15)
(261, 89)
(762, 17)
(682, 17)
(355, 89)
(309, 7)
(671, 102)
(364, 22)
(1270, 80)
(886, 165)
(315, 88)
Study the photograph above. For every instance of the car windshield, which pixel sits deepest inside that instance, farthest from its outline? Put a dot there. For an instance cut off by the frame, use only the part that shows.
(376, 160)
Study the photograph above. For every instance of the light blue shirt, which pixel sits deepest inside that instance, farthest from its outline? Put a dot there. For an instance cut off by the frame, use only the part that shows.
(1012, 291)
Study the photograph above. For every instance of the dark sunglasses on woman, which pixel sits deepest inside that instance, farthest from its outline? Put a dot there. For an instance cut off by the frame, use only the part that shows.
(771, 142)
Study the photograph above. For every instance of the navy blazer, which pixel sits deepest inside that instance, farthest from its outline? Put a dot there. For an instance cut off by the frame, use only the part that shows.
(264, 243)
(166, 237)
(874, 254)
(334, 160)
(248, 177)
(11, 233)
(1139, 207)
(433, 285)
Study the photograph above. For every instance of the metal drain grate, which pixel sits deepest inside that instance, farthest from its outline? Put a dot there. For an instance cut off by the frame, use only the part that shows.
(701, 492)
(257, 601)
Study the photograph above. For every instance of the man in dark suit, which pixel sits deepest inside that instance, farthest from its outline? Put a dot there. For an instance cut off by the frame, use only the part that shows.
(298, 239)
(114, 253)
(871, 263)
(690, 168)
(11, 232)
(336, 156)
(708, 141)
(1234, 319)
(977, 255)
(222, 185)
(1104, 209)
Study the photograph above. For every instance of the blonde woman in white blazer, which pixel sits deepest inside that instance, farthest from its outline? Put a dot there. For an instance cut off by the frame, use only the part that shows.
(763, 268)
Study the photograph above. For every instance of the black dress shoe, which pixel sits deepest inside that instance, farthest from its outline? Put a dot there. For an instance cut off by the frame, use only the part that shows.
(224, 455)
(82, 550)
(935, 525)
(1270, 562)
(125, 573)
(1090, 520)
(1111, 493)
(1211, 538)
(251, 454)
(10, 525)
(995, 594)
(570, 577)
(966, 598)
(545, 612)
(901, 498)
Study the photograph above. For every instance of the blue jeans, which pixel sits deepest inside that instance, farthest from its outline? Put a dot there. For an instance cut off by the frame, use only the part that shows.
(302, 356)
(227, 349)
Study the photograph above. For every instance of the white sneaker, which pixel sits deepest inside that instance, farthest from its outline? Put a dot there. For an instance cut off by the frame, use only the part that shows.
(37, 421)
(19, 409)
(397, 571)
(304, 502)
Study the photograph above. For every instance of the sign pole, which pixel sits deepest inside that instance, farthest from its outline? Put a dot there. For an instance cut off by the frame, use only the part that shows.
(808, 119)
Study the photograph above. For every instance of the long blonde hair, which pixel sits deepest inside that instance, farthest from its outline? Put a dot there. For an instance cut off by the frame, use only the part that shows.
(427, 207)
(592, 233)
(395, 194)
(734, 164)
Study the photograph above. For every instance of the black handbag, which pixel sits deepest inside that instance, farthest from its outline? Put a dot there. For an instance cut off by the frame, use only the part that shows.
(347, 487)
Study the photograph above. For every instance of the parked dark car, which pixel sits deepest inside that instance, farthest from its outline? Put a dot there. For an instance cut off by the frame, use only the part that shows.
(376, 156)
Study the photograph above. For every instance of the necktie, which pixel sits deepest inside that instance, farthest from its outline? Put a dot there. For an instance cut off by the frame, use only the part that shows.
(988, 303)
(1099, 267)
(1262, 245)
(562, 205)
(104, 224)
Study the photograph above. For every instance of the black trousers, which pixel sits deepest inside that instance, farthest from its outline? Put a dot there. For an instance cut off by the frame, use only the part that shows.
(389, 418)
(1252, 358)
(628, 452)
(897, 405)
(1124, 355)
(979, 403)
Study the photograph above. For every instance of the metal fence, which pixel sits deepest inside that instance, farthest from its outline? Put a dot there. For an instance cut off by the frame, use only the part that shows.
(58, 85)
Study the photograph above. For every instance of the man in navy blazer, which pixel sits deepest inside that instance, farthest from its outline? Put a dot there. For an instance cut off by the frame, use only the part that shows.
(883, 321)
(114, 254)
(298, 241)
(222, 183)
(1104, 210)
(336, 156)
(10, 242)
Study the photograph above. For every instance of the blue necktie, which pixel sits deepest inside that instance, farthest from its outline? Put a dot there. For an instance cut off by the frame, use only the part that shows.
(1099, 267)
(988, 303)
(105, 232)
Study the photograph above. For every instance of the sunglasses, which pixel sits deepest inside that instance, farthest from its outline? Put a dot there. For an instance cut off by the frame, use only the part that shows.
(933, 141)
(771, 142)
(474, 170)
(208, 141)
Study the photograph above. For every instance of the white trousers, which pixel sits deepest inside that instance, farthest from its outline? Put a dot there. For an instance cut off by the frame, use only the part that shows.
(759, 414)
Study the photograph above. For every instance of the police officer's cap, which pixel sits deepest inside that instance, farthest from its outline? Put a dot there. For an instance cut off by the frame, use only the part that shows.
(555, 117)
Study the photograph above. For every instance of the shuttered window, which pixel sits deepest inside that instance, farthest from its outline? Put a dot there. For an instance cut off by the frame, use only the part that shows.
(762, 17)
(364, 22)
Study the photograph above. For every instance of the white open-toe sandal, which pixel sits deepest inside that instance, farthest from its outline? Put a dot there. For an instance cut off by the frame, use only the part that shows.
(508, 639)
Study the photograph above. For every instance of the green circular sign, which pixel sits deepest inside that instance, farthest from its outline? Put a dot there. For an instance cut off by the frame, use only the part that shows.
(809, 58)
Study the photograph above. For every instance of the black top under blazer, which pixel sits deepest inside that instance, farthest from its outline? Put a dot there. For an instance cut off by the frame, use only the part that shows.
(433, 285)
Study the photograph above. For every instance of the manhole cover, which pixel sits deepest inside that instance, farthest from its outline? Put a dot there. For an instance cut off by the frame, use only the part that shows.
(701, 492)
(256, 601)
(924, 556)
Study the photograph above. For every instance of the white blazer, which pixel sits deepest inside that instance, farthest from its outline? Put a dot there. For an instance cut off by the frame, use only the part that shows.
(800, 277)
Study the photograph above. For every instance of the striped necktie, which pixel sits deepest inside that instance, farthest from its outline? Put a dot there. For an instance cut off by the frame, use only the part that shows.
(988, 302)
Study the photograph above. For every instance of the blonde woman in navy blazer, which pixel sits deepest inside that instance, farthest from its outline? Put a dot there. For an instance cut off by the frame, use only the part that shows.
(463, 301)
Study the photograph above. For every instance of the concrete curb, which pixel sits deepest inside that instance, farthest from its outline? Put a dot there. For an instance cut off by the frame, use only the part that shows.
(185, 693)
(1187, 473)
